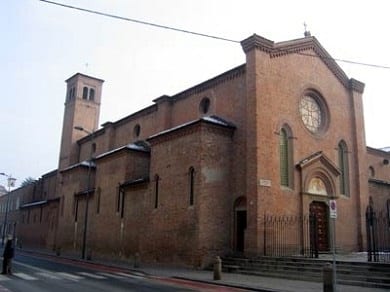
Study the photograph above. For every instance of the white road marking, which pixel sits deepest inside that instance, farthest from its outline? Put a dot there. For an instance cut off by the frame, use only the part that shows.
(69, 276)
(48, 275)
(25, 276)
(129, 275)
(109, 275)
(94, 276)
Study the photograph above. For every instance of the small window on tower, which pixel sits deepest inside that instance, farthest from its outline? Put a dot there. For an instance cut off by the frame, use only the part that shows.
(85, 92)
(71, 94)
(91, 94)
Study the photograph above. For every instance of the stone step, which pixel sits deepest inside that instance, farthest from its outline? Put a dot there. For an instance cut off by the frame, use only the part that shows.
(349, 273)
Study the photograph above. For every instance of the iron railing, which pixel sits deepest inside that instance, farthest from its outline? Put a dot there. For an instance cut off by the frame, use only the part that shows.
(290, 236)
(378, 235)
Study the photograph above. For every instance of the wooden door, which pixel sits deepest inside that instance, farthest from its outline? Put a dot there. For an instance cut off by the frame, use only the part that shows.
(320, 210)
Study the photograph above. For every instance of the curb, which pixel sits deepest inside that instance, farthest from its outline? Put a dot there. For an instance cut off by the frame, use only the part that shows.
(86, 262)
(140, 272)
(249, 288)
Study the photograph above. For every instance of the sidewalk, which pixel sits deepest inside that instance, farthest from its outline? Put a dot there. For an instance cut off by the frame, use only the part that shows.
(253, 283)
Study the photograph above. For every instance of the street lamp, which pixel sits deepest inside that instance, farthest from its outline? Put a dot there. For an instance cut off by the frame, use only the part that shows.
(11, 183)
(88, 190)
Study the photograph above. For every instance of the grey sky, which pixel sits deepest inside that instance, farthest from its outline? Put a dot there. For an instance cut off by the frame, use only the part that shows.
(42, 45)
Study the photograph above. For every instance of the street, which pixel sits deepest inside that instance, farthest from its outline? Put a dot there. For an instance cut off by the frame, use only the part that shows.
(40, 274)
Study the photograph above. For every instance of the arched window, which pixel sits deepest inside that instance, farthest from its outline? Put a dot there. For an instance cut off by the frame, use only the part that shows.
(136, 131)
(343, 165)
(156, 190)
(285, 157)
(98, 194)
(72, 93)
(91, 94)
(85, 92)
(93, 148)
(191, 181)
(371, 171)
(204, 105)
(388, 211)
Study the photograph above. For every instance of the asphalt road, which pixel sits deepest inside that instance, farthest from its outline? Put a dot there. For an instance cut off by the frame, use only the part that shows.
(36, 274)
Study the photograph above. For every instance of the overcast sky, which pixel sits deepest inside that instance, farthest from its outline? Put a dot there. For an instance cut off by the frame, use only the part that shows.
(42, 45)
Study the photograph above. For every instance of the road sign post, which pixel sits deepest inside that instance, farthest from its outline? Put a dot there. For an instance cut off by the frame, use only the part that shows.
(333, 216)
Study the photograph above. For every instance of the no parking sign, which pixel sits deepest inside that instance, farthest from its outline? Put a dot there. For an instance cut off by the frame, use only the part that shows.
(332, 209)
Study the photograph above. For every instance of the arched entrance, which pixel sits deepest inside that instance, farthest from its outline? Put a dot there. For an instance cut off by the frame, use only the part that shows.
(239, 224)
(319, 184)
(319, 210)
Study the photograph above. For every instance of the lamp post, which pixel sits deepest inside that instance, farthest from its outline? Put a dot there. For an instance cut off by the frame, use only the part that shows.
(11, 183)
(84, 246)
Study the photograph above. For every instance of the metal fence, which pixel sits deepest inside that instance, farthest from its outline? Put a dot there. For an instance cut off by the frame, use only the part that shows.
(378, 235)
(290, 236)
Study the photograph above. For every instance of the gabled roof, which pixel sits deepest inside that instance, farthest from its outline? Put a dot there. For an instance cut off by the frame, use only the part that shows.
(319, 156)
(134, 182)
(83, 75)
(81, 164)
(137, 146)
(301, 46)
(33, 204)
(378, 181)
(208, 119)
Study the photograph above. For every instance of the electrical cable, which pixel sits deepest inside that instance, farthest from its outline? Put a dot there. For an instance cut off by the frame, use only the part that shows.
(140, 21)
(198, 33)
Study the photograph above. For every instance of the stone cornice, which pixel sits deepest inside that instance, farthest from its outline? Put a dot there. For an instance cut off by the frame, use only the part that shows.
(258, 42)
(301, 46)
(162, 98)
(224, 77)
(378, 152)
(84, 75)
(356, 85)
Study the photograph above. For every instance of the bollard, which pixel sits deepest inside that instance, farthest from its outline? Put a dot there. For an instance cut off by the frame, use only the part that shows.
(218, 268)
(136, 260)
(327, 274)
(89, 254)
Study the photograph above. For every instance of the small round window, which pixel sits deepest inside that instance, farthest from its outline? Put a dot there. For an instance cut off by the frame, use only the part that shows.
(313, 113)
(136, 131)
(204, 105)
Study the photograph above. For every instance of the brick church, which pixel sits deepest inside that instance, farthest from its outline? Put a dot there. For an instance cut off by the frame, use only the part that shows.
(198, 173)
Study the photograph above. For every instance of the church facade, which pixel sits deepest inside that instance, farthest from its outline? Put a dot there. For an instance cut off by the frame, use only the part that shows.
(197, 174)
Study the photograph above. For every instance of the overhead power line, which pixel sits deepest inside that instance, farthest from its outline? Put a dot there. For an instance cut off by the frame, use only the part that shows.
(345, 61)
(141, 21)
(195, 33)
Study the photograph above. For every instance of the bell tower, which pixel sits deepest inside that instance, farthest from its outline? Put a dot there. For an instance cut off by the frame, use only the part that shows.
(82, 109)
